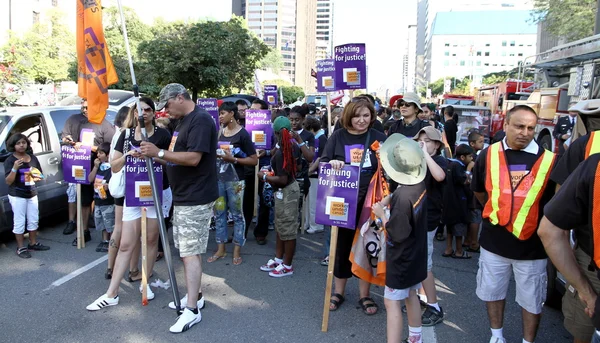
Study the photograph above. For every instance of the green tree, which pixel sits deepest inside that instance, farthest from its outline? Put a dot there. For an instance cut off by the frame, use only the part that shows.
(571, 19)
(43, 53)
(272, 60)
(292, 93)
(210, 58)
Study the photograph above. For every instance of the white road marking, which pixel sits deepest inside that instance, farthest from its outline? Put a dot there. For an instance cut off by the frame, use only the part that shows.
(76, 273)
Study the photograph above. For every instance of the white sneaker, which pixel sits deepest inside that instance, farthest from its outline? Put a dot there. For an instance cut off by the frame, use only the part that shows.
(270, 266)
(183, 303)
(282, 271)
(495, 339)
(149, 294)
(102, 302)
(185, 321)
(312, 230)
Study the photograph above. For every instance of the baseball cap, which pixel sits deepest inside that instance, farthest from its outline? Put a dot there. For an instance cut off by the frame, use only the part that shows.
(431, 132)
(281, 123)
(168, 92)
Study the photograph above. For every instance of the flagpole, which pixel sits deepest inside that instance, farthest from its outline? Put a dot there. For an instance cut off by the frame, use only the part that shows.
(157, 205)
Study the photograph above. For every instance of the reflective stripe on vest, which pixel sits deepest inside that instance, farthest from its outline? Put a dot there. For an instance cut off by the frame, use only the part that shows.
(515, 208)
(596, 217)
(593, 145)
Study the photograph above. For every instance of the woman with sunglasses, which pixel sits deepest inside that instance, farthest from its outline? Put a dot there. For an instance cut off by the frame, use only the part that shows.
(238, 150)
(410, 124)
(357, 129)
(129, 247)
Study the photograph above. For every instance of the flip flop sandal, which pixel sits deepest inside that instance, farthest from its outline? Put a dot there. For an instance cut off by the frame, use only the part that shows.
(159, 256)
(237, 261)
(215, 258)
(478, 250)
(135, 276)
(336, 302)
(464, 256)
(440, 238)
(367, 303)
(448, 255)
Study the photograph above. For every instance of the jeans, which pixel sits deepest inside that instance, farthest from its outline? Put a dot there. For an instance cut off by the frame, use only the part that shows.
(596, 338)
(231, 195)
(25, 210)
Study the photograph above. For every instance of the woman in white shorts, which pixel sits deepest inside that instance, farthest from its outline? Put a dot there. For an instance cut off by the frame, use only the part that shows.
(130, 235)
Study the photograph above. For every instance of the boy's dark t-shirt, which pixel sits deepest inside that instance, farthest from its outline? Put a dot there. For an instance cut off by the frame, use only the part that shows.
(98, 201)
(495, 238)
(406, 254)
(161, 138)
(20, 187)
(243, 141)
(456, 198)
(277, 164)
(435, 194)
(195, 185)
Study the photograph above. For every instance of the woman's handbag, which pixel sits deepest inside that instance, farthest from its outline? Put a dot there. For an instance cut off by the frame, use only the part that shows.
(116, 184)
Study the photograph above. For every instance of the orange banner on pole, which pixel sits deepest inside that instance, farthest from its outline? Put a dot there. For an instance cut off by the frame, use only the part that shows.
(95, 69)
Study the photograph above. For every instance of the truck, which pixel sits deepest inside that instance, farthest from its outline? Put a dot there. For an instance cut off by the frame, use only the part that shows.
(456, 99)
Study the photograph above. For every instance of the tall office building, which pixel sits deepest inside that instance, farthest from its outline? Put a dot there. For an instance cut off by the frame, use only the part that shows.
(288, 26)
(324, 29)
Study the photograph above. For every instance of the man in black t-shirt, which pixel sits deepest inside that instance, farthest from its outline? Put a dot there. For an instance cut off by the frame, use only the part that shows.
(570, 208)
(191, 161)
(450, 128)
(504, 176)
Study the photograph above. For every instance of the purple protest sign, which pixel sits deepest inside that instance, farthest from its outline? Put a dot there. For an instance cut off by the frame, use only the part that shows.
(270, 94)
(138, 191)
(326, 75)
(258, 124)
(338, 196)
(350, 66)
(212, 107)
(76, 163)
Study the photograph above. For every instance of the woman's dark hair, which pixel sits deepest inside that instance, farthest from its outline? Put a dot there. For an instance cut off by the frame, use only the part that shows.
(312, 124)
(277, 113)
(299, 110)
(121, 115)
(12, 141)
(105, 148)
(230, 106)
(263, 104)
(131, 119)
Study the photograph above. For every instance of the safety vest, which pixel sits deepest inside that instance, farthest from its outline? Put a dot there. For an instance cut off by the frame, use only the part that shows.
(595, 219)
(593, 145)
(515, 209)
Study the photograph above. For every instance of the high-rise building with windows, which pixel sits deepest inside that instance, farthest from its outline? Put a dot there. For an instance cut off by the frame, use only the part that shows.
(324, 29)
(288, 26)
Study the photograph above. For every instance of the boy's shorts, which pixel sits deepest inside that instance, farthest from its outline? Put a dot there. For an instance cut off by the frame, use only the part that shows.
(286, 212)
(430, 237)
(475, 216)
(457, 230)
(104, 217)
(399, 294)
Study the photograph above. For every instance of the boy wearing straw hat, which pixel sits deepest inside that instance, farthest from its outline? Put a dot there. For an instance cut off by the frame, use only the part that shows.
(406, 226)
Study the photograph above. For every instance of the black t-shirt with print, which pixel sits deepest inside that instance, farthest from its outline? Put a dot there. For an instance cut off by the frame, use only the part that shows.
(409, 130)
(495, 238)
(339, 147)
(195, 185)
(243, 141)
(435, 192)
(277, 164)
(109, 200)
(569, 161)
(161, 138)
(320, 143)
(406, 251)
(570, 207)
(21, 187)
(303, 164)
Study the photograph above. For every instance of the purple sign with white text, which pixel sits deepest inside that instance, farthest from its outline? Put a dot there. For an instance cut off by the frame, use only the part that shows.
(138, 191)
(76, 163)
(270, 94)
(326, 75)
(258, 125)
(337, 192)
(212, 107)
(350, 66)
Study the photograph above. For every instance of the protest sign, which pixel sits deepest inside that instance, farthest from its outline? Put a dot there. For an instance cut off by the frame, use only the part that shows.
(211, 106)
(270, 94)
(350, 66)
(138, 191)
(258, 124)
(87, 137)
(76, 163)
(326, 75)
(337, 192)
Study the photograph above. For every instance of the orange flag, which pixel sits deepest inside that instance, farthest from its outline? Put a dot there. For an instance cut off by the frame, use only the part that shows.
(95, 69)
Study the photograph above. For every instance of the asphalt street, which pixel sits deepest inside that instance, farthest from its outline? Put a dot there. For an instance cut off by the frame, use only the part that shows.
(243, 303)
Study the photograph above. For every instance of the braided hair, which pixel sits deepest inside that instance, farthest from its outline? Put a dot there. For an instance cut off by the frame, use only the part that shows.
(289, 162)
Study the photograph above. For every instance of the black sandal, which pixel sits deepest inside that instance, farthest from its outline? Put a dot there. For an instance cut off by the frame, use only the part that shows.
(336, 303)
(133, 276)
(108, 274)
(363, 302)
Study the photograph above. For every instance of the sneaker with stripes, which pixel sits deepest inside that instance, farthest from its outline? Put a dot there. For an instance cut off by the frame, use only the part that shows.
(185, 321)
(102, 302)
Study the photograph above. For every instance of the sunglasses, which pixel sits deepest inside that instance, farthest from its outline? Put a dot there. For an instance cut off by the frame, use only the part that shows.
(405, 104)
(147, 109)
(84, 107)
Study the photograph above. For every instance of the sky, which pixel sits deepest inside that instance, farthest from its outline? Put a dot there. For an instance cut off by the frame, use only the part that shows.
(382, 26)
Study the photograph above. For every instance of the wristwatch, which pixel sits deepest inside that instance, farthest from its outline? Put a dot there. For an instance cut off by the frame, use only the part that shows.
(161, 153)
(235, 161)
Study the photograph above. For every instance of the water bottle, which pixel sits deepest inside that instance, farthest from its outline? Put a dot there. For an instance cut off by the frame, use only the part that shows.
(237, 152)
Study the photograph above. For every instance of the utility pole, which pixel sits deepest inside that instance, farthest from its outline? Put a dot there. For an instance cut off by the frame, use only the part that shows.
(10, 14)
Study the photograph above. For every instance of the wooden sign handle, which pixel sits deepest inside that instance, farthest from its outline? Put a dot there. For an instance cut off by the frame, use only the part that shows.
(80, 233)
(332, 248)
(144, 258)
